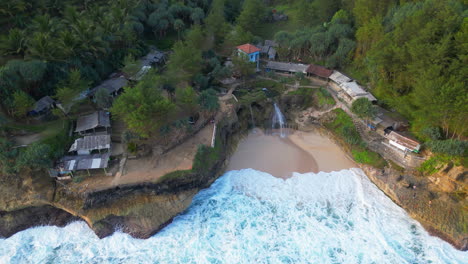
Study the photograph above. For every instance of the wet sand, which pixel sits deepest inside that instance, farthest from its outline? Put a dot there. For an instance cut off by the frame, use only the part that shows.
(328, 155)
(299, 152)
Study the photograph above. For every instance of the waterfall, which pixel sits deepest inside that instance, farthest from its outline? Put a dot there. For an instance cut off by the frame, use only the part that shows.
(278, 118)
(252, 117)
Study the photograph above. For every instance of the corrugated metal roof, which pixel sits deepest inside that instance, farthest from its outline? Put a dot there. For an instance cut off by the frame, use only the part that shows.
(153, 57)
(43, 103)
(271, 53)
(142, 72)
(285, 66)
(270, 43)
(404, 141)
(339, 78)
(85, 162)
(111, 85)
(90, 143)
(94, 120)
(353, 89)
(319, 70)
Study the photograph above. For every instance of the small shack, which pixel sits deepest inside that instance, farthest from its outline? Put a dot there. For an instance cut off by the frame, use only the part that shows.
(252, 52)
(69, 164)
(348, 89)
(153, 58)
(385, 119)
(268, 49)
(319, 72)
(286, 67)
(113, 86)
(403, 142)
(98, 121)
(43, 106)
(89, 144)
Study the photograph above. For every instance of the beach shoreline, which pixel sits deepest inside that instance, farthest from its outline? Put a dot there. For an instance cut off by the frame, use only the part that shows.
(299, 151)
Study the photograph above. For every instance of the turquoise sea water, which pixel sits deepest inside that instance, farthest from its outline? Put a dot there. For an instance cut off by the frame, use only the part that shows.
(249, 216)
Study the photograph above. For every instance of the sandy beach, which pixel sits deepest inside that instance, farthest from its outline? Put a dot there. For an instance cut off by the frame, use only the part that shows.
(298, 152)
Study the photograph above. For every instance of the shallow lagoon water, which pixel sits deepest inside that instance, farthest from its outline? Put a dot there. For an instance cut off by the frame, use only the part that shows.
(249, 216)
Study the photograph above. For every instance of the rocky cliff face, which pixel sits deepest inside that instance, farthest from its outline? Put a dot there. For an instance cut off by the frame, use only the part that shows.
(143, 209)
(139, 209)
(441, 214)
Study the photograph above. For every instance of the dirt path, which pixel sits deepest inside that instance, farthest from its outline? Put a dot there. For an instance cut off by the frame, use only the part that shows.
(179, 158)
(150, 169)
(27, 139)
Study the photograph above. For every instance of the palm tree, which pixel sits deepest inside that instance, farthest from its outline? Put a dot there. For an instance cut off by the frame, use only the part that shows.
(41, 45)
(197, 15)
(178, 26)
(13, 43)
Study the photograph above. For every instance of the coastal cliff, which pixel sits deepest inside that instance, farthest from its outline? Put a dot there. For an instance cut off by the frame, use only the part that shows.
(145, 208)
(138, 209)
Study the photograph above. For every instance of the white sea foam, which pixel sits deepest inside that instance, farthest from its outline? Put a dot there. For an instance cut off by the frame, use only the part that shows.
(249, 216)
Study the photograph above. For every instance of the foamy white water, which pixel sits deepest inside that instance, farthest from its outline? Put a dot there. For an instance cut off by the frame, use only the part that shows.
(249, 216)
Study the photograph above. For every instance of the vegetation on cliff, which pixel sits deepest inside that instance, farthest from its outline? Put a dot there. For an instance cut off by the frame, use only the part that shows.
(342, 125)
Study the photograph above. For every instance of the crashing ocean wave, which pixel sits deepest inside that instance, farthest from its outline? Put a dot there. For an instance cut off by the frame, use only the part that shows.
(249, 216)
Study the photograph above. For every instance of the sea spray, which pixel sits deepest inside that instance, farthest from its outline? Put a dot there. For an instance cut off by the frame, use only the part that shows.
(249, 216)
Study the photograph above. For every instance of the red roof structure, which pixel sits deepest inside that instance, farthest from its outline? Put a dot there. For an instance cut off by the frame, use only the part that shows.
(319, 71)
(248, 48)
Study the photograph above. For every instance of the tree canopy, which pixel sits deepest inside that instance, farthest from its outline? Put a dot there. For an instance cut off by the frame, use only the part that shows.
(143, 108)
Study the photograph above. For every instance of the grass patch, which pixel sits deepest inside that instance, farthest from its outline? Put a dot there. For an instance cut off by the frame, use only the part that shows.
(174, 174)
(306, 96)
(78, 179)
(364, 156)
(305, 82)
(29, 128)
(343, 126)
(253, 96)
(324, 98)
(272, 86)
(433, 164)
(206, 157)
(58, 139)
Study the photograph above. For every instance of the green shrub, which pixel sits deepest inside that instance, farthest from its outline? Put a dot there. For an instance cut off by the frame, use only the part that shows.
(433, 164)
(299, 75)
(206, 157)
(174, 174)
(451, 147)
(304, 96)
(59, 142)
(132, 147)
(78, 179)
(304, 82)
(344, 127)
(432, 133)
(368, 157)
(324, 98)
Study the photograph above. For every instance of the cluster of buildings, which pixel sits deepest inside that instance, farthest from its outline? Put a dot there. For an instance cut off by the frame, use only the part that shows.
(389, 125)
(113, 85)
(91, 149)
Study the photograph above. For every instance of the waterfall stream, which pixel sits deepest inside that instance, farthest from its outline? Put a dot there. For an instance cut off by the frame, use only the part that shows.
(278, 119)
(252, 117)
